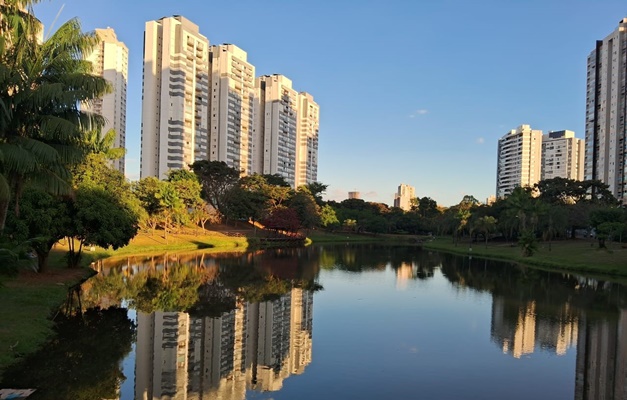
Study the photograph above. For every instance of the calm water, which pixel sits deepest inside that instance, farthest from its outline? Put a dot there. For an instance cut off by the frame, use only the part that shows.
(335, 322)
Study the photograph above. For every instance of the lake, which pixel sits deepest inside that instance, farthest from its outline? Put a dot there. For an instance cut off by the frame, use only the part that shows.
(333, 322)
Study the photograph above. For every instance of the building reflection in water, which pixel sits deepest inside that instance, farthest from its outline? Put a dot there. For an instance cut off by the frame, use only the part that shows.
(255, 346)
(601, 371)
(518, 327)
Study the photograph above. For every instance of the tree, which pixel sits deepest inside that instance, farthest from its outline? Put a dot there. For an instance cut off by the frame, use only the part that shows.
(216, 179)
(98, 219)
(186, 185)
(41, 88)
(282, 219)
(317, 189)
(147, 190)
(201, 213)
(607, 221)
(485, 225)
(172, 209)
(42, 222)
(328, 218)
(306, 208)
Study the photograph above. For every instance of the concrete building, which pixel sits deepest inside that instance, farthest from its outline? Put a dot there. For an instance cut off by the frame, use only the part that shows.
(354, 195)
(232, 109)
(562, 156)
(175, 96)
(110, 60)
(403, 197)
(606, 112)
(519, 159)
(278, 123)
(307, 140)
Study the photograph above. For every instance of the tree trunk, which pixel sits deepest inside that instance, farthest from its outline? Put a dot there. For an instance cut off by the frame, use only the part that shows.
(4, 210)
(42, 261)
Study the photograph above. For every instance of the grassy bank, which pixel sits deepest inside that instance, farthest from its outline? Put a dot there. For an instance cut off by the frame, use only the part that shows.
(30, 300)
(570, 255)
(316, 236)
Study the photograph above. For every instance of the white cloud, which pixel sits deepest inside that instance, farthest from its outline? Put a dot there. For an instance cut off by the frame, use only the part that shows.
(416, 113)
(480, 140)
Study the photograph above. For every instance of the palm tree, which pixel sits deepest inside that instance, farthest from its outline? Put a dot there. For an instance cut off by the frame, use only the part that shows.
(41, 88)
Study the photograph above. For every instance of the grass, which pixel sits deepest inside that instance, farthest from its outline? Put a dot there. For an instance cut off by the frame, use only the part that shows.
(577, 255)
(316, 236)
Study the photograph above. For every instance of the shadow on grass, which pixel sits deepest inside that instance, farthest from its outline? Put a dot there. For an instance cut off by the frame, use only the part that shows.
(203, 245)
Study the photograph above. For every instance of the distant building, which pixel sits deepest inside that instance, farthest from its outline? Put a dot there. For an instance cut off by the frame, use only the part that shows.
(606, 114)
(519, 159)
(562, 156)
(175, 90)
(354, 195)
(490, 200)
(110, 60)
(402, 199)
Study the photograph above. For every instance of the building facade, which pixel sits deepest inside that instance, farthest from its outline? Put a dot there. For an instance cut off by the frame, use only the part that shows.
(402, 198)
(232, 108)
(307, 140)
(519, 159)
(606, 112)
(278, 123)
(562, 156)
(175, 96)
(110, 60)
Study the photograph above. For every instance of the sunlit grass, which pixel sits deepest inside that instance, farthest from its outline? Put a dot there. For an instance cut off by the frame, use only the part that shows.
(573, 255)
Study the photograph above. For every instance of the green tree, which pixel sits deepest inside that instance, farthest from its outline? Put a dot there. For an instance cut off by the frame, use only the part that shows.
(41, 88)
(306, 208)
(216, 179)
(186, 185)
(328, 218)
(485, 225)
(97, 218)
(317, 189)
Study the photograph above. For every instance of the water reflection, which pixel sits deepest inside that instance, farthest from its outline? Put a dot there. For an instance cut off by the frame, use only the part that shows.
(229, 326)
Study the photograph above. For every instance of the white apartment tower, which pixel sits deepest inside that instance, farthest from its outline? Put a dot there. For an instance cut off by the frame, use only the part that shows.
(402, 198)
(110, 60)
(175, 96)
(606, 111)
(232, 108)
(562, 156)
(278, 122)
(519, 159)
(307, 140)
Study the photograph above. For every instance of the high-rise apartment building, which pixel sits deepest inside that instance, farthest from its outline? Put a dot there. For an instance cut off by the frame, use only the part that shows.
(175, 96)
(110, 60)
(519, 159)
(278, 121)
(307, 140)
(232, 108)
(606, 111)
(562, 156)
(402, 198)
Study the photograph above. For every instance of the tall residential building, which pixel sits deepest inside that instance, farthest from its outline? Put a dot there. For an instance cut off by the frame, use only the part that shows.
(519, 156)
(562, 156)
(402, 198)
(307, 140)
(606, 112)
(175, 96)
(232, 108)
(110, 60)
(354, 195)
(278, 121)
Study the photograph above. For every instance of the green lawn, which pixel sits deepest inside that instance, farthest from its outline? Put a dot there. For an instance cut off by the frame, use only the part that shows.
(577, 255)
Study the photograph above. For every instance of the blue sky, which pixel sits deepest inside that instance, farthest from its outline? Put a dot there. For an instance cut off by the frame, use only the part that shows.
(414, 92)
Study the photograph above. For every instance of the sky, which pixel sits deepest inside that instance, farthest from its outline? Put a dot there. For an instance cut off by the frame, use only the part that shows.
(410, 91)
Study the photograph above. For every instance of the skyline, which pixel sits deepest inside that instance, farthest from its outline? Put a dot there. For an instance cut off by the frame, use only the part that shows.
(450, 86)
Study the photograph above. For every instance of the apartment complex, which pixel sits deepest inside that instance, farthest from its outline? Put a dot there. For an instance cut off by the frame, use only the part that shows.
(110, 60)
(203, 102)
(175, 95)
(519, 164)
(402, 198)
(232, 108)
(606, 112)
(562, 156)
